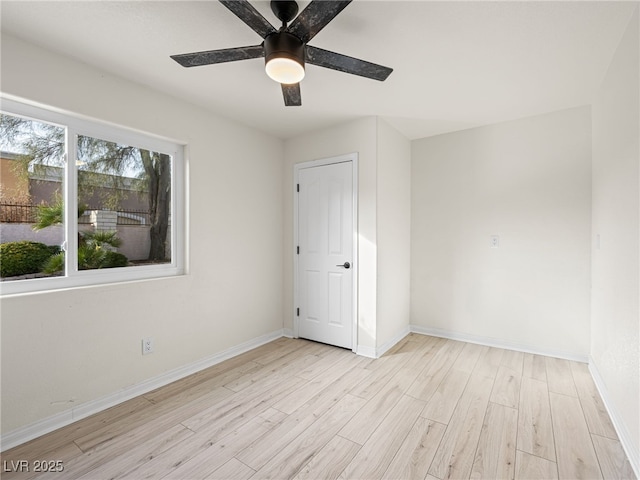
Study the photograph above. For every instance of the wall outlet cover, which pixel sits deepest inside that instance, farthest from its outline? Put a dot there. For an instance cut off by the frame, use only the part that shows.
(147, 345)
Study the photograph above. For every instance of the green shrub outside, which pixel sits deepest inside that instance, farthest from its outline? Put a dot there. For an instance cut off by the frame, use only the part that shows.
(54, 264)
(24, 257)
(115, 259)
(89, 258)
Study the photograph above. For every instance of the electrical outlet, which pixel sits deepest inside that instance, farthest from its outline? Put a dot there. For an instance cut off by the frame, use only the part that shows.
(147, 345)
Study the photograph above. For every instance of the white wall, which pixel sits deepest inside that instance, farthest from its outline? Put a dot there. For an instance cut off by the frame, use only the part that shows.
(615, 338)
(394, 235)
(65, 348)
(529, 182)
(358, 136)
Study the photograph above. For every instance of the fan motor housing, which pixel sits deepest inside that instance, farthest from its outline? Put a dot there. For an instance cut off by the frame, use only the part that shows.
(283, 44)
(285, 10)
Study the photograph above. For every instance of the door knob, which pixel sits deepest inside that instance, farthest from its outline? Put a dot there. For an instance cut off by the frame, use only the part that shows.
(345, 265)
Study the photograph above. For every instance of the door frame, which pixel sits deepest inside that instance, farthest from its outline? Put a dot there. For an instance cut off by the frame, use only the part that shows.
(353, 159)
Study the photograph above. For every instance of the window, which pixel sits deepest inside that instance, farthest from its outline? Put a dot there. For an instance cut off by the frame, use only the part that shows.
(83, 203)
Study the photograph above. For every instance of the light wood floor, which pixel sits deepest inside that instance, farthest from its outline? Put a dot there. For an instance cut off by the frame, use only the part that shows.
(430, 408)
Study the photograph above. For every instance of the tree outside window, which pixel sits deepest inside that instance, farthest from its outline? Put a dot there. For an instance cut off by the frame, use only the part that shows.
(123, 195)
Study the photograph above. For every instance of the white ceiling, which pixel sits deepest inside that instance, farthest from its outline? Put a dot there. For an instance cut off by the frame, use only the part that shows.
(456, 64)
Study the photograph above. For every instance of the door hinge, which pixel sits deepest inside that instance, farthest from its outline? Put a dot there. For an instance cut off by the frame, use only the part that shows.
(297, 187)
(298, 249)
(298, 312)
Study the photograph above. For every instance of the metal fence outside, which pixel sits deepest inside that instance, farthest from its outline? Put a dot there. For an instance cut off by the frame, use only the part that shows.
(13, 212)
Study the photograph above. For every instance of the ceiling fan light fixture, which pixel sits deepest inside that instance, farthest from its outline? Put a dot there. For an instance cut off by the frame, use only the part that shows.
(286, 50)
(284, 70)
(284, 58)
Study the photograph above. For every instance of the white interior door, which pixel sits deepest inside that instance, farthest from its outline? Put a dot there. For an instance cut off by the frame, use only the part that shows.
(325, 263)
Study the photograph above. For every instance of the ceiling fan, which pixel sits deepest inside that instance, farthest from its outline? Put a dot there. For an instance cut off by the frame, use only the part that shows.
(286, 50)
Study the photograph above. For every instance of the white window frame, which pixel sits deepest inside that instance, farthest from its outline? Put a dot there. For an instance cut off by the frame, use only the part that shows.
(77, 125)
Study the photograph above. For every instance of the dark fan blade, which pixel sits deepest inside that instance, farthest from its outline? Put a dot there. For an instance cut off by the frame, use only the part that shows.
(249, 15)
(343, 63)
(291, 94)
(219, 56)
(315, 17)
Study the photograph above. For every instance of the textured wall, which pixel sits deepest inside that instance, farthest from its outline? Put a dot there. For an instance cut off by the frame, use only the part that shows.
(615, 339)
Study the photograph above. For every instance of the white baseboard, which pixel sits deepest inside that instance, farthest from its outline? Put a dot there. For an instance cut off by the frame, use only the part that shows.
(632, 451)
(287, 332)
(385, 347)
(377, 352)
(62, 419)
(369, 352)
(498, 343)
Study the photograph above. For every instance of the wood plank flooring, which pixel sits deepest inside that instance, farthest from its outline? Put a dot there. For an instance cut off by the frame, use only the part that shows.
(429, 409)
